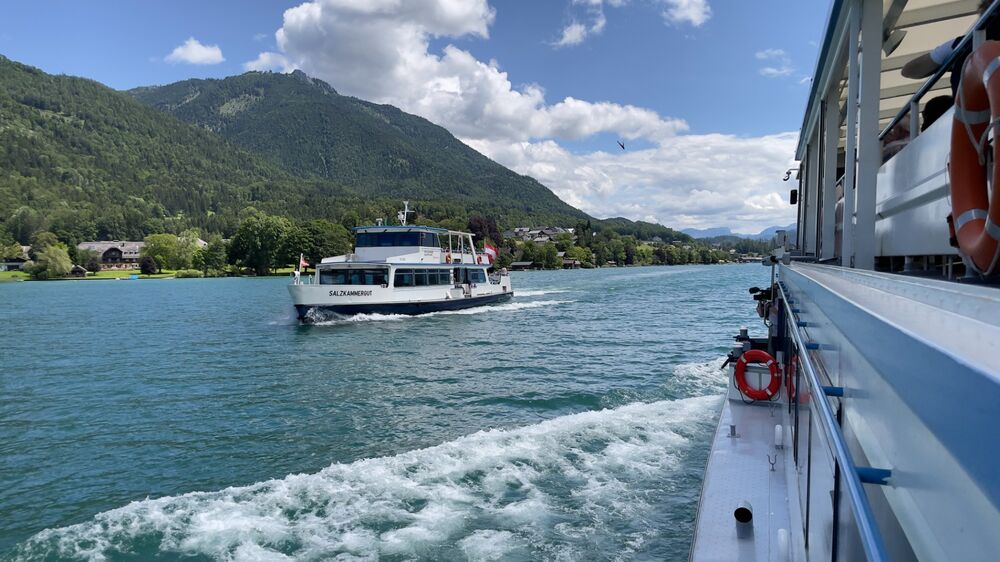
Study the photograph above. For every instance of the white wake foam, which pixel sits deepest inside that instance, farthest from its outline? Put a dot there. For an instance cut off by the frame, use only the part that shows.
(538, 293)
(335, 319)
(560, 489)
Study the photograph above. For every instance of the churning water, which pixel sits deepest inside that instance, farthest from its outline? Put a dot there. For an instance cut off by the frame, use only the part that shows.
(194, 419)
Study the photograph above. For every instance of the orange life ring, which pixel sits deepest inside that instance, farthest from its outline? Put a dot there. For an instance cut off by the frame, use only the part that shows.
(447, 258)
(757, 356)
(479, 259)
(975, 220)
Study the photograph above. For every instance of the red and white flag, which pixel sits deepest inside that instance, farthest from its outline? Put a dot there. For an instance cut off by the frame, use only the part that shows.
(490, 250)
(302, 261)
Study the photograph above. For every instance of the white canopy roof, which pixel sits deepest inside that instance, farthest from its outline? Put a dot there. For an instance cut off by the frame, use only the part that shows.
(921, 25)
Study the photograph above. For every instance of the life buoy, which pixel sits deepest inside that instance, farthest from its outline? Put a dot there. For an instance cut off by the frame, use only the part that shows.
(479, 259)
(447, 258)
(757, 356)
(975, 220)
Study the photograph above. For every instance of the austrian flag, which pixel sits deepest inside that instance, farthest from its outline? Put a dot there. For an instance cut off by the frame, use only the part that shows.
(491, 251)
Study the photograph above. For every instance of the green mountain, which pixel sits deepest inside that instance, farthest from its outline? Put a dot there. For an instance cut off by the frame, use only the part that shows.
(306, 127)
(88, 162)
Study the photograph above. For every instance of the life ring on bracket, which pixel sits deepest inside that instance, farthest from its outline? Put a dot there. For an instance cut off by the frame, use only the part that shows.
(757, 356)
(447, 258)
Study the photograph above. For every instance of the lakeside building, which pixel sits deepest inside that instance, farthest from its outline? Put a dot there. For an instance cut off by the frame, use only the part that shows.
(538, 235)
(115, 254)
(15, 263)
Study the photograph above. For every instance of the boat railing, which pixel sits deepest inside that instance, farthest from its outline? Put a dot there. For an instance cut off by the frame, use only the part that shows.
(868, 531)
(911, 108)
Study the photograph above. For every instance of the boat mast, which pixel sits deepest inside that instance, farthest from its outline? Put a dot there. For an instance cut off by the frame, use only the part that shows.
(401, 215)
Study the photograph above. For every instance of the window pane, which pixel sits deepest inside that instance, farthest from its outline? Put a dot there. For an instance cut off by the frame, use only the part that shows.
(420, 278)
(404, 278)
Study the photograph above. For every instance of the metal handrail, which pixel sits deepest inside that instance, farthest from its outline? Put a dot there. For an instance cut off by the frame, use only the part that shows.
(944, 67)
(871, 536)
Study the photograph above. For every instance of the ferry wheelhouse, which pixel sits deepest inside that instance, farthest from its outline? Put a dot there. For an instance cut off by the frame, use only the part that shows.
(864, 425)
(401, 269)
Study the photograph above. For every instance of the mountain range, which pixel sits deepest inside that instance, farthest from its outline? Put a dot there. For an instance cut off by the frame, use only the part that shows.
(89, 162)
(715, 232)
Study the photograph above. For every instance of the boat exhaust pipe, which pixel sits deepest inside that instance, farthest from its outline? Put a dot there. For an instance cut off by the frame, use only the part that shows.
(744, 520)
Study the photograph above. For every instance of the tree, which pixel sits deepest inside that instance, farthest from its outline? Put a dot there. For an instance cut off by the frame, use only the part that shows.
(258, 242)
(550, 256)
(187, 244)
(40, 242)
(315, 240)
(10, 249)
(485, 228)
(563, 241)
(163, 248)
(644, 254)
(580, 254)
(211, 258)
(616, 249)
(52, 262)
(23, 223)
(89, 259)
(148, 265)
(529, 252)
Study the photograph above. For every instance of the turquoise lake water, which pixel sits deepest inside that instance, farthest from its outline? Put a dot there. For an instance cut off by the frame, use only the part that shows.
(196, 420)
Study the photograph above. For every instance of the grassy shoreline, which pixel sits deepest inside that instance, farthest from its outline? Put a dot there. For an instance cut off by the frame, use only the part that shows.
(126, 274)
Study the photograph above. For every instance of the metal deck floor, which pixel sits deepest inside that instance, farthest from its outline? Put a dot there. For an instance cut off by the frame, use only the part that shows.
(738, 469)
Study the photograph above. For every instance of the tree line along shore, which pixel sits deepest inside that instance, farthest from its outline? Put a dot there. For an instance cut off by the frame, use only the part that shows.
(264, 244)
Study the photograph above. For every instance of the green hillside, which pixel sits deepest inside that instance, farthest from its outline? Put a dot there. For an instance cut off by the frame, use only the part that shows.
(305, 126)
(88, 162)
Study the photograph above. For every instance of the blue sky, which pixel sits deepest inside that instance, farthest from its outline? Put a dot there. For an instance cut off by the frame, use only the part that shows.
(683, 81)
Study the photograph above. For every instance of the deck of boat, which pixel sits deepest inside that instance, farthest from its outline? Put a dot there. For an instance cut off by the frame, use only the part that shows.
(739, 470)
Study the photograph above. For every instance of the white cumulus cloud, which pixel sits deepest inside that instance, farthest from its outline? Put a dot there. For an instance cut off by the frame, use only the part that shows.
(778, 63)
(770, 54)
(694, 12)
(692, 181)
(379, 50)
(572, 34)
(193, 51)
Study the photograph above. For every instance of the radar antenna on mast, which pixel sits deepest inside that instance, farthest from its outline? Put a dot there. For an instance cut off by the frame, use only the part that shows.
(401, 215)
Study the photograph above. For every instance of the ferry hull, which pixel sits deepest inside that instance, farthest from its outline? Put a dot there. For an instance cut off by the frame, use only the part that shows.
(409, 308)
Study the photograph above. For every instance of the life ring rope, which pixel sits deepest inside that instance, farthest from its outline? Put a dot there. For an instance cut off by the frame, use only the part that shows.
(975, 216)
(740, 378)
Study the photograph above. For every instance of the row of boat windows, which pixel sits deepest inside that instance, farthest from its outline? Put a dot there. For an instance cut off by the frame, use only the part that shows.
(403, 277)
(387, 239)
(424, 277)
(376, 276)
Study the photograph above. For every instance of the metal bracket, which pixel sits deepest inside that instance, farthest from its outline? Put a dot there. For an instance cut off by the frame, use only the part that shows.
(870, 475)
(833, 390)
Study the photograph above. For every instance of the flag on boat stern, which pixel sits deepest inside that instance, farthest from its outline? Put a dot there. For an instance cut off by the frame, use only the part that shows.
(302, 261)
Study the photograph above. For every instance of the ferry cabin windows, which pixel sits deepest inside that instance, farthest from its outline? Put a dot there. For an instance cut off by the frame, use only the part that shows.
(466, 275)
(421, 277)
(389, 239)
(342, 276)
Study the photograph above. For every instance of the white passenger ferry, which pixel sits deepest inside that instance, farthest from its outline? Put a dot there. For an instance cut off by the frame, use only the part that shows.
(864, 426)
(401, 269)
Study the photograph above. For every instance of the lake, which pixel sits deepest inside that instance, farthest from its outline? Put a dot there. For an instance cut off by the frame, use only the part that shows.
(195, 419)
